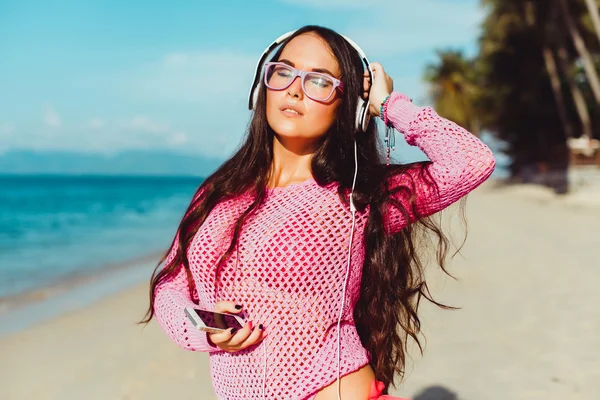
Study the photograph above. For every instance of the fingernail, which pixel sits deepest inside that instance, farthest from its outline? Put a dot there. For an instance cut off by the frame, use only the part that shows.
(250, 324)
(238, 307)
(233, 331)
(261, 327)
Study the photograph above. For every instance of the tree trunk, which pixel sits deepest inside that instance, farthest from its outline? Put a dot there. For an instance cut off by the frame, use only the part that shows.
(588, 64)
(593, 9)
(558, 95)
(550, 64)
(582, 110)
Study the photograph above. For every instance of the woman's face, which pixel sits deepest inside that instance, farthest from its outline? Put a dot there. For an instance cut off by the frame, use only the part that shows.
(306, 52)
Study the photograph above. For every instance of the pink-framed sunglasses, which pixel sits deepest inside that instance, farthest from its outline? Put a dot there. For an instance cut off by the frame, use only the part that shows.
(316, 85)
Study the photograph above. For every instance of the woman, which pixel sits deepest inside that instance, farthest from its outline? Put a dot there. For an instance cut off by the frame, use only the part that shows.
(312, 234)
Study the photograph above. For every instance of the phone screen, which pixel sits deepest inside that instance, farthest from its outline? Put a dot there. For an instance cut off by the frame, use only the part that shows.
(217, 320)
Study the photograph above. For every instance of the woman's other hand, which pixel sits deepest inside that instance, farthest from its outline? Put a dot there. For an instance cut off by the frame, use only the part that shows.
(382, 86)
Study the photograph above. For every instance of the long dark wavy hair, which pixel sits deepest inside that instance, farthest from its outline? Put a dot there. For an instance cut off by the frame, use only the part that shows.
(393, 274)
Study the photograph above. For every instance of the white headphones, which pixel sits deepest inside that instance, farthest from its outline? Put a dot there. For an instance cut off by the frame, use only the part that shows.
(362, 111)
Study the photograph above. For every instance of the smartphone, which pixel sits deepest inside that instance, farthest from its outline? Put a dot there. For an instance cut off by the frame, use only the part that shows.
(213, 322)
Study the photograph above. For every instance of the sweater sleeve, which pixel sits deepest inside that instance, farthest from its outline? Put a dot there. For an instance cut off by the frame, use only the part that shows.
(459, 162)
(171, 298)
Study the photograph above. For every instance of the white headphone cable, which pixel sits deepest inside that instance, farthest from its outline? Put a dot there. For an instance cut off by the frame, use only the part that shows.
(353, 211)
(264, 344)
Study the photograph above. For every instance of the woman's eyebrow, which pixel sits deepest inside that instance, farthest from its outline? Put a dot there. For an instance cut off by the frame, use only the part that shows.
(322, 70)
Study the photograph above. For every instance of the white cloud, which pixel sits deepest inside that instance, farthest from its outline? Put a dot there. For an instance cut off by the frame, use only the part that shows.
(390, 27)
(212, 85)
(142, 123)
(403, 34)
(154, 131)
(199, 98)
(6, 129)
(96, 135)
(176, 59)
(407, 26)
(177, 139)
(194, 77)
(142, 131)
(51, 117)
(180, 77)
(96, 123)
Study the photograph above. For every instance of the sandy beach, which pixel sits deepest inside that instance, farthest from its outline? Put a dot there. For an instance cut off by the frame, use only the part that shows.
(528, 327)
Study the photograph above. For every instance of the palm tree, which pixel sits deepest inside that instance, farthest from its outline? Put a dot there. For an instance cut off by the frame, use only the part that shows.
(453, 90)
(584, 54)
(593, 10)
(566, 71)
(518, 99)
(550, 63)
(578, 98)
(555, 82)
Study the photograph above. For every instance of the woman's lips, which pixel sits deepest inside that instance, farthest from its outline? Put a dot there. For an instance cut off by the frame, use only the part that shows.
(290, 111)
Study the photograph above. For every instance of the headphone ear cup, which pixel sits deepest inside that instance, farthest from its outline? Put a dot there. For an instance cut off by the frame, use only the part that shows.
(359, 115)
(367, 116)
(362, 115)
(255, 96)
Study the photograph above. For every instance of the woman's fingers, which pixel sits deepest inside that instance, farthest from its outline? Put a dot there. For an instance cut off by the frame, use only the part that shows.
(239, 340)
(240, 336)
(233, 340)
(380, 87)
(256, 336)
(227, 307)
(221, 338)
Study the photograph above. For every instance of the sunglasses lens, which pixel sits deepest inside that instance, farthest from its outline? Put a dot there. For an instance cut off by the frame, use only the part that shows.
(279, 76)
(318, 86)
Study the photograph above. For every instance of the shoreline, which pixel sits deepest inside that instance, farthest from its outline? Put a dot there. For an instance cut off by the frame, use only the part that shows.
(21, 311)
(66, 283)
(80, 289)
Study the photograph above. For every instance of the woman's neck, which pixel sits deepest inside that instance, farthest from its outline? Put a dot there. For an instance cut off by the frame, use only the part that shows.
(291, 161)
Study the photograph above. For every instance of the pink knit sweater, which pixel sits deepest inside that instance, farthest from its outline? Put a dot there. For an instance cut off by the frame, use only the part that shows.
(292, 265)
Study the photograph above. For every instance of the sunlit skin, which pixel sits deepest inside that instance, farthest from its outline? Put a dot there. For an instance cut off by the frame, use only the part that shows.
(296, 137)
(295, 141)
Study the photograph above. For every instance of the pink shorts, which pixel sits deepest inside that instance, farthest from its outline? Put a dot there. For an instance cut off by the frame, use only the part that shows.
(376, 389)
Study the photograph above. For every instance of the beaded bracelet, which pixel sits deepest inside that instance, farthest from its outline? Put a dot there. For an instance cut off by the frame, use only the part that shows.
(389, 140)
(383, 110)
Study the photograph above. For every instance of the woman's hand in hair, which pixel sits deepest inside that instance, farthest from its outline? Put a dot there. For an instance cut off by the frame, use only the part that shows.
(382, 86)
(232, 341)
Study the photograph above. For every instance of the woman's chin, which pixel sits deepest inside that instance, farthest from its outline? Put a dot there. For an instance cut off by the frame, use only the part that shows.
(287, 129)
(294, 130)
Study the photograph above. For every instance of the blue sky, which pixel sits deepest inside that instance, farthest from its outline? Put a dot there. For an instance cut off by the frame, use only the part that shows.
(105, 76)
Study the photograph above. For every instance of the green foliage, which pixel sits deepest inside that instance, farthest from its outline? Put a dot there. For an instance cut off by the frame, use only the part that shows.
(506, 89)
(454, 88)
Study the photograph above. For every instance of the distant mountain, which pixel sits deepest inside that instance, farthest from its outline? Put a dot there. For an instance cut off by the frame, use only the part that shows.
(133, 162)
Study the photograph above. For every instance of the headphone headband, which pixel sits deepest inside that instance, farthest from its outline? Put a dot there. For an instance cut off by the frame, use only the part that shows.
(362, 112)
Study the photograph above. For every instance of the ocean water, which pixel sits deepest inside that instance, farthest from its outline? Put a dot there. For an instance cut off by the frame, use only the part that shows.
(52, 227)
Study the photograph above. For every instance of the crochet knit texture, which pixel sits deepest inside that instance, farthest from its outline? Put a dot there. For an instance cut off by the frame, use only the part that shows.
(292, 261)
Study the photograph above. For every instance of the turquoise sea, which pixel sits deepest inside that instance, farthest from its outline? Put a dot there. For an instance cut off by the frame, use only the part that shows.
(56, 227)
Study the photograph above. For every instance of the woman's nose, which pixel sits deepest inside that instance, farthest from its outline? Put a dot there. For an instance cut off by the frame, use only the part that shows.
(295, 89)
